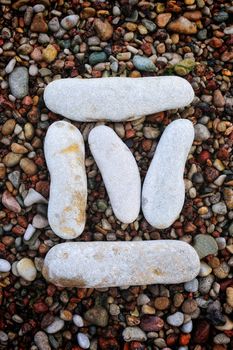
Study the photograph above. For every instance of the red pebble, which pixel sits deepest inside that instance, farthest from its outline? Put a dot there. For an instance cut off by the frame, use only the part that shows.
(204, 156)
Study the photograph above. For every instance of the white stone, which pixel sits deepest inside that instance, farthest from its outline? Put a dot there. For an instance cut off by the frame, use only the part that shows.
(109, 264)
(176, 319)
(30, 230)
(133, 334)
(55, 326)
(5, 266)
(33, 197)
(205, 269)
(117, 98)
(39, 221)
(64, 153)
(83, 340)
(78, 321)
(26, 269)
(163, 191)
(119, 171)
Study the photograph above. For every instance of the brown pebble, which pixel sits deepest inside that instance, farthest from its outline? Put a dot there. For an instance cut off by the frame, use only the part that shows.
(2, 171)
(201, 333)
(38, 24)
(8, 127)
(228, 197)
(162, 19)
(218, 99)
(151, 323)
(103, 29)
(16, 148)
(161, 303)
(182, 25)
(11, 159)
(28, 166)
(193, 15)
(189, 306)
(178, 299)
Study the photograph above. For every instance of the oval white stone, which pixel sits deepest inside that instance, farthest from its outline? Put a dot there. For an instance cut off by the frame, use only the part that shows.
(64, 153)
(5, 266)
(163, 190)
(116, 99)
(108, 264)
(119, 171)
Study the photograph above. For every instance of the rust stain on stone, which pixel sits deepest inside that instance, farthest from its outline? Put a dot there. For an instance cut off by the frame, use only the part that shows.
(72, 148)
(158, 272)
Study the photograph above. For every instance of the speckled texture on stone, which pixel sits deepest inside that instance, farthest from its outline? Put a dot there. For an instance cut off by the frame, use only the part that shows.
(18, 81)
(64, 153)
(119, 171)
(163, 191)
(107, 264)
(116, 99)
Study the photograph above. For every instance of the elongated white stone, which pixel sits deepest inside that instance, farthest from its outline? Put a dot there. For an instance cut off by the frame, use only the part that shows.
(108, 264)
(163, 190)
(116, 99)
(119, 171)
(64, 153)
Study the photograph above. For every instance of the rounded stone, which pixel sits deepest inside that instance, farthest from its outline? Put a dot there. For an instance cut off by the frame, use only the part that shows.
(83, 340)
(133, 334)
(55, 326)
(26, 269)
(176, 319)
(5, 266)
(205, 245)
(114, 157)
(143, 64)
(163, 191)
(18, 82)
(64, 154)
(201, 132)
(106, 264)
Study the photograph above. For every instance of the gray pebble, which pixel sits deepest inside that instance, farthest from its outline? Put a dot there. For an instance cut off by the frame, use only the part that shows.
(205, 245)
(41, 340)
(205, 284)
(143, 64)
(18, 81)
(187, 327)
(191, 286)
(201, 132)
(176, 319)
(54, 25)
(221, 338)
(133, 334)
(219, 208)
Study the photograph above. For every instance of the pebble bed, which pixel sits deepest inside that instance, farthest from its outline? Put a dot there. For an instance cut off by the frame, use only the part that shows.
(45, 40)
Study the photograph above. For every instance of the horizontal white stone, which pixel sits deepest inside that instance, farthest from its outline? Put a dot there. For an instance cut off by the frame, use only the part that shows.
(163, 191)
(64, 153)
(108, 264)
(116, 99)
(119, 171)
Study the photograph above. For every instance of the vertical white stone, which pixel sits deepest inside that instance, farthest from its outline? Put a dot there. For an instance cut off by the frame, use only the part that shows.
(163, 190)
(64, 153)
(119, 171)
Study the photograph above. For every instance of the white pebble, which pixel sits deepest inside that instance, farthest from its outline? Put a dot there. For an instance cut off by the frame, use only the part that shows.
(5, 266)
(176, 319)
(187, 327)
(39, 221)
(26, 269)
(191, 286)
(163, 191)
(30, 230)
(55, 326)
(119, 171)
(10, 66)
(33, 197)
(78, 321)
(83, 340)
